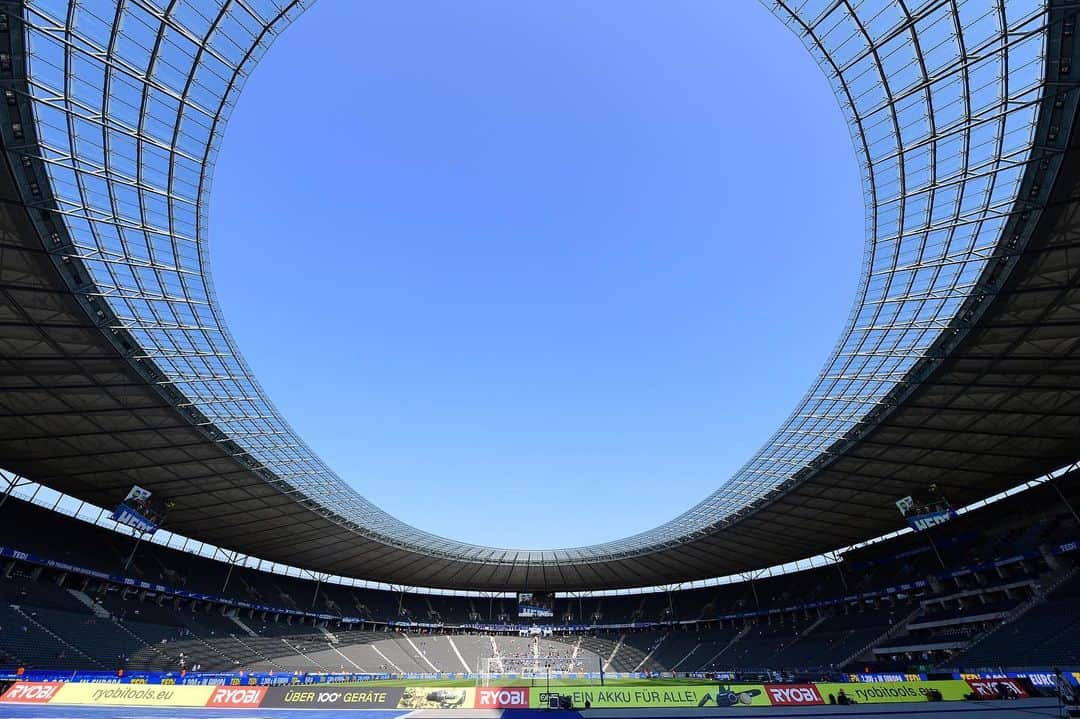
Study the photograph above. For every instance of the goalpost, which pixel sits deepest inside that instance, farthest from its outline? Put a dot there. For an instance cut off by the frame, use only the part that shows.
(538, 670)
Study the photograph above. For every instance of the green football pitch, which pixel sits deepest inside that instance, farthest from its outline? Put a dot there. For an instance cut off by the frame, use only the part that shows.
(608, 682)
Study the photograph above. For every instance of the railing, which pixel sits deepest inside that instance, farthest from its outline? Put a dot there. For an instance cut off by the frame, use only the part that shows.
(1036, 599)
(889, 634)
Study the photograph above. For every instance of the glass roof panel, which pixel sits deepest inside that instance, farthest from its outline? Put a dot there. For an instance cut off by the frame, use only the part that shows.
(131, 135)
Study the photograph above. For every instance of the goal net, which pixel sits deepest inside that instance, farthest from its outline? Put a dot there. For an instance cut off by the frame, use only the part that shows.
(538, 669)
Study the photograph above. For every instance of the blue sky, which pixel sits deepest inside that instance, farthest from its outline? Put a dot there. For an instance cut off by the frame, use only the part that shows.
(536, 274)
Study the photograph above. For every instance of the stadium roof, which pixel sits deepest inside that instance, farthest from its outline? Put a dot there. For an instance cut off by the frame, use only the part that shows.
(957, 366)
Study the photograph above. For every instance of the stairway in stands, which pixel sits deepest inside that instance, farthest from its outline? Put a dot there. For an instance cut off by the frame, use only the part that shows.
(1042, 632)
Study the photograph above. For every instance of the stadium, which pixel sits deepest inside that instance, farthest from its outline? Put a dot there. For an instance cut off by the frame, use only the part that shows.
(910, 533)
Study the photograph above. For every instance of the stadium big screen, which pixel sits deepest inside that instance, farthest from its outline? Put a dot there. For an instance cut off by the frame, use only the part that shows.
(536, 604)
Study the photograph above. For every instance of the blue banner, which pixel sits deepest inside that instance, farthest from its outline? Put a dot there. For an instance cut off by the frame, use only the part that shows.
(921, 522)
(200, 678)
(137, 521)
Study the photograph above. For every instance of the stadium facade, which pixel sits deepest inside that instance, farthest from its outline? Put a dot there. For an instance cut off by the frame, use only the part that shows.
(957, 367)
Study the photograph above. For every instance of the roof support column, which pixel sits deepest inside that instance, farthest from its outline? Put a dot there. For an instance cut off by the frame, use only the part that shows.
(12, 481)
(1053, 483)
(670, 602)
(319, 579)
(837, 560)
(751, 577)
(232, 558)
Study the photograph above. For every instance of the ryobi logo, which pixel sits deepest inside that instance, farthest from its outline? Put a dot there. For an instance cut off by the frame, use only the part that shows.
(793, 694)
(500, 698)
(31, 693)
(227, 696)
